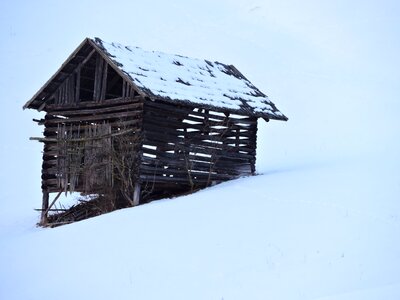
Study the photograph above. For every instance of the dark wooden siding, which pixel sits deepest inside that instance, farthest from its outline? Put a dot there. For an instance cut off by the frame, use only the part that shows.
(72, 132)
(186, 148)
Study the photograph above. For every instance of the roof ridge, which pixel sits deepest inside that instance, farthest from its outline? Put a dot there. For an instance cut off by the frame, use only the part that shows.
(177, 78)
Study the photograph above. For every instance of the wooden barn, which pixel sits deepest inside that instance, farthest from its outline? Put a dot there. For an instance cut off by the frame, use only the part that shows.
(130, 126)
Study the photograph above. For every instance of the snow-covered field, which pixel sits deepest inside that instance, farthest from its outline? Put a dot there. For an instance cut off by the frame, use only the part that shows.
(321, 220)
(309, 232)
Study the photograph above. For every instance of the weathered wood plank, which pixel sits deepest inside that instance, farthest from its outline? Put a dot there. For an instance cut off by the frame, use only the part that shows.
(174, 123)
(136, 194)
(102, 117)
(83, 139)
(198, 179)
(158, 106)
(78, 85)
(45, 205)
(97, 78)
(94, 110)
(194, 169)
(91, 104)
(104, 82)
(52, 129)
(183, 138)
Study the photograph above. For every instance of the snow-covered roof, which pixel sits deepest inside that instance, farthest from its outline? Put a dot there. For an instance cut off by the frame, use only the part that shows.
(183, 79)
(172, 78)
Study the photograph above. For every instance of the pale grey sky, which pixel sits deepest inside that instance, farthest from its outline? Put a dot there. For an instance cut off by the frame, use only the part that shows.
(331, 66)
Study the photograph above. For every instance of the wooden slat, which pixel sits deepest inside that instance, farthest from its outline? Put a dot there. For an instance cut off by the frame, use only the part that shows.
(97, 78)
(83, 139)
(52, 129)
(91, 104)
(78, 84)
(205, 169)
(102, 117)
(95, 111)
(104, 82)
(179, 109)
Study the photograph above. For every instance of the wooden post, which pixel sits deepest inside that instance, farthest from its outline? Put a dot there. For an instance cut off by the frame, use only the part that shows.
(104, 82)
(253, 166)
(123, 89)
(136, 194)
(45, 206)
(254, 141)
(98, 75)
(77, 85)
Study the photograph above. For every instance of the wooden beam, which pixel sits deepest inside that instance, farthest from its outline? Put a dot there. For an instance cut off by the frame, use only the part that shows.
(96, 111)
(53, 202)
(118, 133)
(78, 85)
(45, 206)
(104, 82)
(102, 117)
(97, 78)
(123, 89)
(91, 104)
(136, 194)
(88, 57)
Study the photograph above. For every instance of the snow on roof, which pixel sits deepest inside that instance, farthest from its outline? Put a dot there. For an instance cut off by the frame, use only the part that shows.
(180, 78)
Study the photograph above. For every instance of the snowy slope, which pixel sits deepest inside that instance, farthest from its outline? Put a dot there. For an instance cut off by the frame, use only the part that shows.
(321, 222)
(291, 234)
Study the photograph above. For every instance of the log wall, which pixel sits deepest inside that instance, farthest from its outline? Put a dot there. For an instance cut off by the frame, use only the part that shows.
(186, 148)
(78, 143)
(100, 134)
(179, 148)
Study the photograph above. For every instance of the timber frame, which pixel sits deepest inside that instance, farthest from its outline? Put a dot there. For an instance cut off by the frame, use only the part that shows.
(104, 135)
